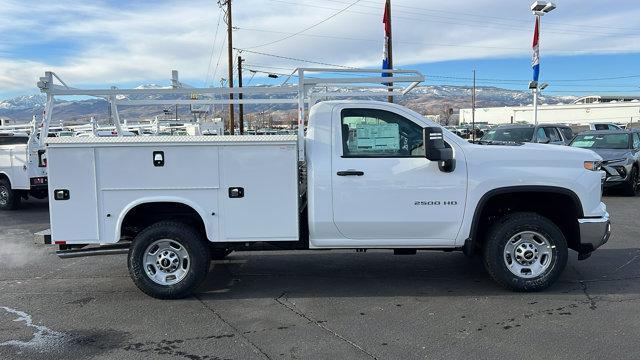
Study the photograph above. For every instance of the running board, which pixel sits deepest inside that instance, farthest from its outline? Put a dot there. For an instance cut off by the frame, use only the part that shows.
(115, 249)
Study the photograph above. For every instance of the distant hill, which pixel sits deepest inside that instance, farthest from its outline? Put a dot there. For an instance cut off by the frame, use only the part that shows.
(428, 100)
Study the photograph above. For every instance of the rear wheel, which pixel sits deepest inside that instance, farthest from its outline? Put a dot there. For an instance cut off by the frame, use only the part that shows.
(168, 260)
(525, 252)
(632, 186)
(9, 198)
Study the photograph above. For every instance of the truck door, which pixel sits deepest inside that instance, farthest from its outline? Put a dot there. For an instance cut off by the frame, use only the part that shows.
(383, 186)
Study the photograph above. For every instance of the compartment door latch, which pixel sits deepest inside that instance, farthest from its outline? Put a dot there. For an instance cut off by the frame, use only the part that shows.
(158, 158)
(236, 192)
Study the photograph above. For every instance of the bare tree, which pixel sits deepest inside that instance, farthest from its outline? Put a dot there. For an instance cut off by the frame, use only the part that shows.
(446, 113)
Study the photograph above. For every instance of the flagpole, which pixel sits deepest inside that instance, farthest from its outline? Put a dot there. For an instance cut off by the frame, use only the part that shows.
(389, 45)
(535, 89)
(538, 8)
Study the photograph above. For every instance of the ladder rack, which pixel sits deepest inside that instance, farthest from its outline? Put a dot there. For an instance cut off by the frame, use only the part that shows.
(313, 85)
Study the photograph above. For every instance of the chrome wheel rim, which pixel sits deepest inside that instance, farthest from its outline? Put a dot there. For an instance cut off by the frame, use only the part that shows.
(4, 195)
(166, 262)
(528, 254)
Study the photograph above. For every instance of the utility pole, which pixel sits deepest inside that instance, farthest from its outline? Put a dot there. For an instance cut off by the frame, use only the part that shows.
(389, 41)
(473, 107)
(240, 105)
(230, 61)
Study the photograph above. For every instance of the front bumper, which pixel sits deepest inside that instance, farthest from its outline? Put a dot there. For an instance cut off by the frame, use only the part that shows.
(616, 175)
(594, 232)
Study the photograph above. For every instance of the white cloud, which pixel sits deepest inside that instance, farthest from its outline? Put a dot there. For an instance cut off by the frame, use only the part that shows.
(144, 41)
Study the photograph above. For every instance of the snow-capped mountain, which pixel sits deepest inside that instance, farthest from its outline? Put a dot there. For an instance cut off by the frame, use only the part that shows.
(152, 86)
(24, 102)
(428, 99)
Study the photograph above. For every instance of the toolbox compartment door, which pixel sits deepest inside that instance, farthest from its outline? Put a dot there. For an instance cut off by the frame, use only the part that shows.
(267, 207)
(74, 220)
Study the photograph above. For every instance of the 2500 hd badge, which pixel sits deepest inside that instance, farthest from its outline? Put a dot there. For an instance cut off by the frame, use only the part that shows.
(436, 203)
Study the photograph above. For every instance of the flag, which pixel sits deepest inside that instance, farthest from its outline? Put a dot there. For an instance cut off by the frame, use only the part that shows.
(386, 20)
(535, 61)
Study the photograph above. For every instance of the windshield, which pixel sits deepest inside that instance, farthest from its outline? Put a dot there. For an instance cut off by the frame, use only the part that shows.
(602, 141)
(509, 135)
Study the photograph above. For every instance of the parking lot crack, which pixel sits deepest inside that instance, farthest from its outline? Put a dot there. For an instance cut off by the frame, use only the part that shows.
(282, 300)
(256, 348)
(583, 285)
(592, 301)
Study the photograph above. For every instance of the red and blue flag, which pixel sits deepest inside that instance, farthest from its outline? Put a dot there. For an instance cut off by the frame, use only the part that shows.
(386, 20)
(535, 61)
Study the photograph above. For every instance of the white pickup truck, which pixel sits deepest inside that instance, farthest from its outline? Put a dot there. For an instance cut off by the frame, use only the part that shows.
(371, 182)
(22, 169)
(366, 175)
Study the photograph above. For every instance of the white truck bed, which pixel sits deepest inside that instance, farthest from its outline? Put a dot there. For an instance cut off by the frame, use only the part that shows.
(118, 174)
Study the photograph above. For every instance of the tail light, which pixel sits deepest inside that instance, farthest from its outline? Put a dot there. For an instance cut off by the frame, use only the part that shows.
(38, 181)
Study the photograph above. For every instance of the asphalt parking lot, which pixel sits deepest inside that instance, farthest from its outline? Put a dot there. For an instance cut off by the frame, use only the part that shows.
(318, 305)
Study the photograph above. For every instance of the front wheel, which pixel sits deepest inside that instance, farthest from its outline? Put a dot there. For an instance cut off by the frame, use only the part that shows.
(168, 260)
(9, 198)
(525, 252)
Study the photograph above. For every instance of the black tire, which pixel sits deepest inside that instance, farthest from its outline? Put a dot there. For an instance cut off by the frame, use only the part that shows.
(189, 240)
(9, 198)
(495, 260)
(631, 186)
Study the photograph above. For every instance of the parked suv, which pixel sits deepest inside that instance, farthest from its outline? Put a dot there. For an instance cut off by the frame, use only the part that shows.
(620, 151)
(521, 133)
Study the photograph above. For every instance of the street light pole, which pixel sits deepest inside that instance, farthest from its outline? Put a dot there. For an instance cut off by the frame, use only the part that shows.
(535, 105)
(538, 8)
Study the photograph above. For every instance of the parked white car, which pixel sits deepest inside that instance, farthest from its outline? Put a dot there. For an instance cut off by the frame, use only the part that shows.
(23, 171)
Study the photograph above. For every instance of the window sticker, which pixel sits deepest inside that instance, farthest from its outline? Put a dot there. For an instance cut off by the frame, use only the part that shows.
(584, 143)
(377, 137)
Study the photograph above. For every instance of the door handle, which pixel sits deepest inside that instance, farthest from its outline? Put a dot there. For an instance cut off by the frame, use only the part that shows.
(350, 173)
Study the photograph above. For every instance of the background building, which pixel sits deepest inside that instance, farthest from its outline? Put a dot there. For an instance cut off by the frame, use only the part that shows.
(585, 110)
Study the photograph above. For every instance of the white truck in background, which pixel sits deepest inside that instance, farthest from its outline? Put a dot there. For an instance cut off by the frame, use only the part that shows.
(23, 167)
(366, 175)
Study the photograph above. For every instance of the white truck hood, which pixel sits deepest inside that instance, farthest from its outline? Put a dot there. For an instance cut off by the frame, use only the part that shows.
(497, 166)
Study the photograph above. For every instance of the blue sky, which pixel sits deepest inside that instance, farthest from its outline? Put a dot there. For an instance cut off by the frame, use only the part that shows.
(125, 43)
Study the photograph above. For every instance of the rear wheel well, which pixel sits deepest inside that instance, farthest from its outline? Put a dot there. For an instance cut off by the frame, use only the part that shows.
(562, 208)
(4, 176)
(144, 215)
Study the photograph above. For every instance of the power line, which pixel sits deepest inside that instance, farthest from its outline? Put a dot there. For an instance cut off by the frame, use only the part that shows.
(465, 22)
(294, 59)
(307, 28)
(426, 43)
(213, 46)
(219, 57)
(483, 17)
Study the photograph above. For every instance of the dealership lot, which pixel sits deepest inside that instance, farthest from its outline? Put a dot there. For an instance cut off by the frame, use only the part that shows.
(318, 305)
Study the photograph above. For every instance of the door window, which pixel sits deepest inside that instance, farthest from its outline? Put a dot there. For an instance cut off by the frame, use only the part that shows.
(379, 133)
(567, 133)
(541, 135)
(636, 140)
(552, 134)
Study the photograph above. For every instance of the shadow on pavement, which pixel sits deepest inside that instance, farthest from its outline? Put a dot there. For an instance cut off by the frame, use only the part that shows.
(381, 274)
